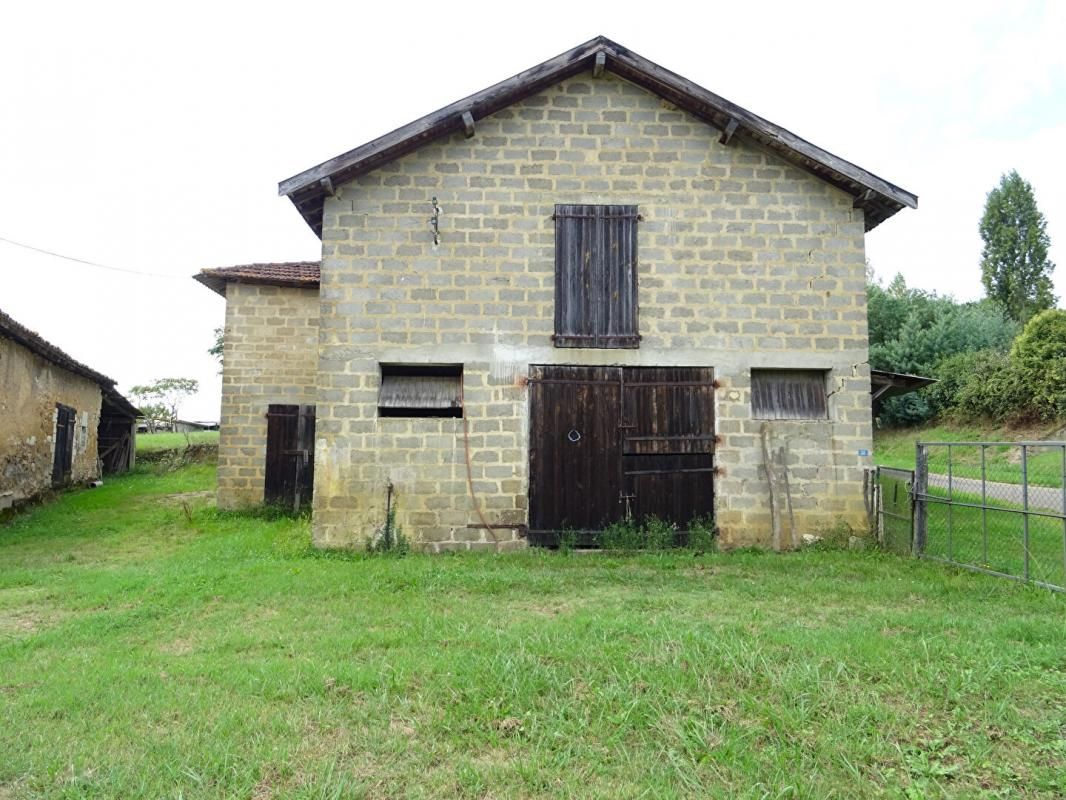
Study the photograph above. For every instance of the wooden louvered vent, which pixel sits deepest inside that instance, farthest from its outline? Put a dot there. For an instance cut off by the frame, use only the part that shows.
(596, 276)
(420, 390)
(789, 394)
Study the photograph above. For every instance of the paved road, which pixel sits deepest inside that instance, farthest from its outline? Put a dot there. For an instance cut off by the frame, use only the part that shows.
(1044, 498)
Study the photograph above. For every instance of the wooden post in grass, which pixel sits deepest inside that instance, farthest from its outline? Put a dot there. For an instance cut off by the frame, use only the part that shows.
(775, 511)
(793, 532)
(921, 489)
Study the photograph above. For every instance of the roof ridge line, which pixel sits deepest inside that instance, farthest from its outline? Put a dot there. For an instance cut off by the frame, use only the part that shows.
(876, 196)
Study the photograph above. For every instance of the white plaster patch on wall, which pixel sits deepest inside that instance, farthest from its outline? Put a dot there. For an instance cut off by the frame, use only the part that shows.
(82, 439)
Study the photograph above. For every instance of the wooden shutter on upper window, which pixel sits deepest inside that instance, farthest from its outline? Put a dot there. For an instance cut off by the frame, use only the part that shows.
(596, 276)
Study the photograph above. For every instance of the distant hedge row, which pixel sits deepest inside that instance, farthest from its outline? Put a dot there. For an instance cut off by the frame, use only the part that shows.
(986, 368)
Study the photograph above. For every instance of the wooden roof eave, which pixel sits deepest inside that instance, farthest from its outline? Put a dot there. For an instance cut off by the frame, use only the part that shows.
(878, 198)
(114, 404)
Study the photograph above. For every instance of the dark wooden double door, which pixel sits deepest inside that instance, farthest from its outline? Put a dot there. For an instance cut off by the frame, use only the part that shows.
(290, 456)
(607, 443)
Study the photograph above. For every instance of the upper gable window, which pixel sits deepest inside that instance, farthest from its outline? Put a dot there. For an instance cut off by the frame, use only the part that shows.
(596, 276)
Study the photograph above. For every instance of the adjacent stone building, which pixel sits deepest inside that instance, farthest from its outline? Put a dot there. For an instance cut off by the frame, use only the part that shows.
(594, 290)
(54, 414)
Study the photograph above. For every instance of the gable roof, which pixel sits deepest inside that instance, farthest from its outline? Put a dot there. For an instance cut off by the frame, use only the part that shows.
(300, 274)
(33, 342)
(878, 198)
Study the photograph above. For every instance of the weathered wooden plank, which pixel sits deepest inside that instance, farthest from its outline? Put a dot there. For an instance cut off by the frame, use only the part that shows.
(863, 198)
(599, 64)
(772, 484)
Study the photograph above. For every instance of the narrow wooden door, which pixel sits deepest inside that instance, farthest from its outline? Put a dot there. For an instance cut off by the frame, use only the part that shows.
(63, 460)
(668, 442)
(574, 450)
(290, 455)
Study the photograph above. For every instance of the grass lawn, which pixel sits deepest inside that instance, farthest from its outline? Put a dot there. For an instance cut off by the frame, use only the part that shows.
(147, 442)
(894, 447)
(153, 647)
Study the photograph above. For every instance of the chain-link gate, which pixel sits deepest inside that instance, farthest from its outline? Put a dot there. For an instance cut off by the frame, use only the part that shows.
(995, 507)
(893, 501)
(992, 507)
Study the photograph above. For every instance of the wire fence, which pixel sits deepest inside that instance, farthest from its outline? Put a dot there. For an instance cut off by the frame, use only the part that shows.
(994, 507)
(895, 509)
(998, 507)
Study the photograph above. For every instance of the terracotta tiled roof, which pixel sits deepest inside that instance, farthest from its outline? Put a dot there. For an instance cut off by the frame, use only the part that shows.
(301, 274)
(48, 351)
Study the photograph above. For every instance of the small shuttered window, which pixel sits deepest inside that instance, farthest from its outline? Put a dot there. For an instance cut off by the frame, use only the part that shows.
(596, 276)
(421, 390)
(788, 394)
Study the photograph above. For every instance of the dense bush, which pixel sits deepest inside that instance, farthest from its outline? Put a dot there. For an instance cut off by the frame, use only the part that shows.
(937, 328)
(915, 332)
(904, 410)
(985, 384)
(1039, 358)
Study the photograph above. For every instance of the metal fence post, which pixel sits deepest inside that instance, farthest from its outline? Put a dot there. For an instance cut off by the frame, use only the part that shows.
(921, 488)
(951, 504)
(984, 509)
(1025, 509)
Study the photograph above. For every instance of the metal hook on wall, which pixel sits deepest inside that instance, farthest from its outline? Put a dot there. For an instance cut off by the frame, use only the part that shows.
(434, 221)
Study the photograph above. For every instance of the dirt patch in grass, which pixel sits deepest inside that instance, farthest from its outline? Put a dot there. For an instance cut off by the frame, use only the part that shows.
(186, 497)
(548, 609)
(269, 782)
(20, 621)
(17, 621)
(178, 647)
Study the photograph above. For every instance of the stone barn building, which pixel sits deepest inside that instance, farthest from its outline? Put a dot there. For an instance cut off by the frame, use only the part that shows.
(593, 290)
(60, 421)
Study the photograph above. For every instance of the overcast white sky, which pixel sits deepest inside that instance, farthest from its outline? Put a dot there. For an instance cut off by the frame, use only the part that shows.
(152, 137)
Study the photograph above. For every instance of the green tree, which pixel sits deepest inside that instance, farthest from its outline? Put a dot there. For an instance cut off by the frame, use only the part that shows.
(1015, 268)
(1039, 355)
(913, 331)
(216, 349)
(160, 400)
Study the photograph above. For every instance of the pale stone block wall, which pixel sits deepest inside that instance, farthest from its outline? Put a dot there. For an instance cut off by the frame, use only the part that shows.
(269, 355)
(745, 261)
(32, 386)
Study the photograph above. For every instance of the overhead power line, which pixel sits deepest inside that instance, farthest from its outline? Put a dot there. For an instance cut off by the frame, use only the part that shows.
(96, 264)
